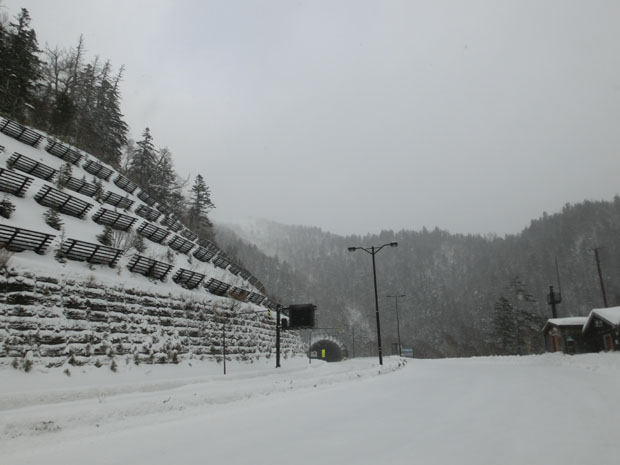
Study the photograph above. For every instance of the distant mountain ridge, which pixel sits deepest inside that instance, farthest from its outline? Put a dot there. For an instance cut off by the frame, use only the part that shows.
(453, 282)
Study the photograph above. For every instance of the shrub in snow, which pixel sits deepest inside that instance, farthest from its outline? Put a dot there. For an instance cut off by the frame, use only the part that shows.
(64, 173)
(67, 372)
(6, 207)
(106, 237)
(59, 255)
(98, 189)
(114, 366)
(138, 243)
(27, 365)
(5, 258)
(52, 218)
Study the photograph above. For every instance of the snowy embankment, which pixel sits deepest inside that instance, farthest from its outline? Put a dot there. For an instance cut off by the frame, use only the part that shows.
(551, 409)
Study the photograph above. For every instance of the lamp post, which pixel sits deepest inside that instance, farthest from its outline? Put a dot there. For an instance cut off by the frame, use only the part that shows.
(373, 251)
(396, 297)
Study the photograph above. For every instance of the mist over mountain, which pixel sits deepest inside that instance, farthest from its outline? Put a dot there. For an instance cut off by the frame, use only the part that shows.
(465, 294)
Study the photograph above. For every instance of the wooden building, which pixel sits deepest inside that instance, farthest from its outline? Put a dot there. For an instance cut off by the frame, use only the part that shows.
(602, 329)
(565, 335)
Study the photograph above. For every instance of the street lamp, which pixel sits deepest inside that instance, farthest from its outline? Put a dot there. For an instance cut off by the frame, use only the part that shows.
(396, 297)
(373, 251)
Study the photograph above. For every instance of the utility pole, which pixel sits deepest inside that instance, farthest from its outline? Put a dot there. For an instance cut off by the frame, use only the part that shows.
(278, 310)
(373, 251)
(224, 344)
(600, 275)
(396, 297)
(553, 298)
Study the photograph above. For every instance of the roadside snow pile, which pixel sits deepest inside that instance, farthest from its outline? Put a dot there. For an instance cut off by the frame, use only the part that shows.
(86, 397)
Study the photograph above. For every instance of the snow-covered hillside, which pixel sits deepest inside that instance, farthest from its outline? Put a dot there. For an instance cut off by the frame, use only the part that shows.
(552, 409)
(151, 289)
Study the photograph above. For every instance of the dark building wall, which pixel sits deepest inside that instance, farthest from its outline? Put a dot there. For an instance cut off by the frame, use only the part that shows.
(600, 335)
(569, 339)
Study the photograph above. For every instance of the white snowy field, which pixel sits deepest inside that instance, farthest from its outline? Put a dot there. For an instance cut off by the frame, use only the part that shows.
(551, 409)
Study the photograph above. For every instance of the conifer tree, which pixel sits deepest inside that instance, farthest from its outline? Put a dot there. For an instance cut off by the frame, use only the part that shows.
(199, 207)
(163, 182)
(143, 160)
(19, 65)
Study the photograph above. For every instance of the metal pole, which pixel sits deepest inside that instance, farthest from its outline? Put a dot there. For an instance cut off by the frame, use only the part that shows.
(309, 347)
(352, 342)
(374, 276)
(396, 297)
(398, 328)
(224, 344)
(554, 312)
(600, 276)
(278, 309)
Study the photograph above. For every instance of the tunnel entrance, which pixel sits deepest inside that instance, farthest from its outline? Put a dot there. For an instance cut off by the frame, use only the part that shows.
(327, 350)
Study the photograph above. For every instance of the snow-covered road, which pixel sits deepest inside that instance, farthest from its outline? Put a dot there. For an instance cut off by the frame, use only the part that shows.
(511, 410)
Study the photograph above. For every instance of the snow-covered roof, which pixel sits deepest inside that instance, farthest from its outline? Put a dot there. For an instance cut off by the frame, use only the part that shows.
(611, 315)
(568, 321)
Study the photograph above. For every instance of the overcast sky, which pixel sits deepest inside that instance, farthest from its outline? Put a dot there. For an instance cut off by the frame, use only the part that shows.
(358, 116)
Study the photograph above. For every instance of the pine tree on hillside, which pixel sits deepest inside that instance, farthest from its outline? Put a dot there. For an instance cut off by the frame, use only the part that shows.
(199, 207)
(110, 131)
(163, 181)
(80, 103)
(504, 321)
(19, 66)
(143, 160)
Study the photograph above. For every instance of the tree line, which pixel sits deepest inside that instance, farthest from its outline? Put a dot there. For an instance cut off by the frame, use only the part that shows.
(78, 101)
(465, 294)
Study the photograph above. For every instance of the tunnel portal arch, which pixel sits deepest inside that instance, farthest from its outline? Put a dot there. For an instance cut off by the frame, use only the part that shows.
(328, 348)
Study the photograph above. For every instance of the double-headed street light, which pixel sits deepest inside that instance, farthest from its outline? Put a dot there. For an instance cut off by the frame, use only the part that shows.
(396, 297)
(373, 251)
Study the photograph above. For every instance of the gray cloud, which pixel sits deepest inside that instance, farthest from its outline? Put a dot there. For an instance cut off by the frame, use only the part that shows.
(360, 116)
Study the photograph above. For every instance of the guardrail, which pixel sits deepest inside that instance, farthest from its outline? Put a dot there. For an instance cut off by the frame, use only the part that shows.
(62, 151)
(97, 169)
(149, 267)
(19, 239)
(152, 232)
(14, 183)
(30, 166)
(20, 132)
(114, 219)
(63, 202)
(187, 278)
(180, 244)
(81, 251)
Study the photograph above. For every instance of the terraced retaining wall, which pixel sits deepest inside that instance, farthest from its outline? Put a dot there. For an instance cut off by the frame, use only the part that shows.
(45, 320)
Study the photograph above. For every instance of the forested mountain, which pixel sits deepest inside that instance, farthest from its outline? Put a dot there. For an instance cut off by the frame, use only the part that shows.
(465, 294)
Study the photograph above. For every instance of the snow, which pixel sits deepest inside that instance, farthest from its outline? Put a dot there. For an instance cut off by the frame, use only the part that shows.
(28, 214)
(568, 321)
(550, 408)
(611, 315)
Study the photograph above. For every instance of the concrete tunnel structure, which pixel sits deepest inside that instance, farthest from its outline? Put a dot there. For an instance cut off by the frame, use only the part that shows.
(328, 348)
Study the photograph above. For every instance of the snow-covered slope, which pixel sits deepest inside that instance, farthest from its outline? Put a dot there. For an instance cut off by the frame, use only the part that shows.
(28, 214)
(56, 309)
